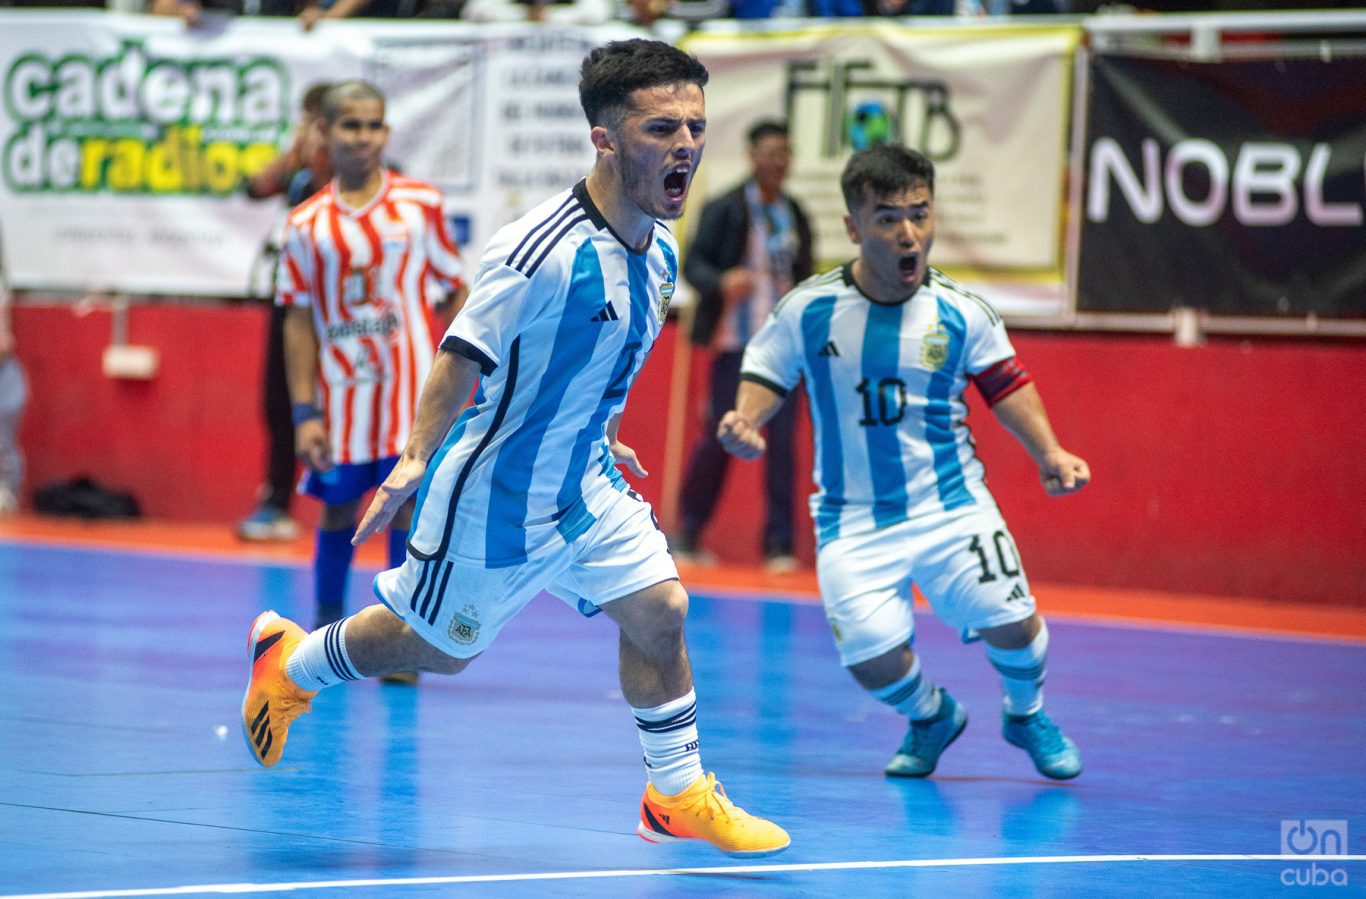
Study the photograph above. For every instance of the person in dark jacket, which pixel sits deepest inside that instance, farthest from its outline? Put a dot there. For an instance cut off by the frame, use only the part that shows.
(752, 245)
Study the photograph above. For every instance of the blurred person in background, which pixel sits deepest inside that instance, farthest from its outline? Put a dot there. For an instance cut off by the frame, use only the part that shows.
(894, 8)
(752, 245)
(370, 277)
(554, 12)
(13, 398)
(309, 13)
(296, 174)
(797, 9)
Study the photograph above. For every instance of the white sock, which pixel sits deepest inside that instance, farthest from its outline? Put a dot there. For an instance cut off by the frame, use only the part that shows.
(1022, 673)
(668, 734)
(320, 660)
(914, 696)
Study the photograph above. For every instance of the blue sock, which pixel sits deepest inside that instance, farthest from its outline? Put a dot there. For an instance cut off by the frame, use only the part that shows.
(332, 568)
(398, 547)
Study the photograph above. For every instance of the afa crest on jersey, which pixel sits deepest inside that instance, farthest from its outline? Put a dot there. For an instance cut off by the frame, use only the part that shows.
(666, 292)
(934, 348)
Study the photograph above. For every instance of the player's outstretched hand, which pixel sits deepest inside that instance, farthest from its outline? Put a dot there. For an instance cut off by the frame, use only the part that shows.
(311, 446)
(1063, 473)
(626, 457)
(740, 437)
(402, 483)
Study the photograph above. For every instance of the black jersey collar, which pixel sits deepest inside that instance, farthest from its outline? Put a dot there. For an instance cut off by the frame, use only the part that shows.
(580, 192)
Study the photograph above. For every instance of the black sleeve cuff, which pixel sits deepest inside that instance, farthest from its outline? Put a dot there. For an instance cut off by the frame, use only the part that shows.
(764, 382)
(470, 352)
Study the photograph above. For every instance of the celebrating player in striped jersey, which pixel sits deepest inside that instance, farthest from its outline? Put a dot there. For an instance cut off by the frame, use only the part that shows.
(369, 275)
(887, 346)
(523, 493)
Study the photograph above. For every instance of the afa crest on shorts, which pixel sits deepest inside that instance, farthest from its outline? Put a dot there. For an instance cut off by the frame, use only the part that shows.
(464, 627)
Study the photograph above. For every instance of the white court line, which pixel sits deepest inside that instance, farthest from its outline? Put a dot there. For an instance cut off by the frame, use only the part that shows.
(671, 872)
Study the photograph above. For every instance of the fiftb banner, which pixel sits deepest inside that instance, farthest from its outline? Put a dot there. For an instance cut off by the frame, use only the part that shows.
(1237, 187)
(988, 105)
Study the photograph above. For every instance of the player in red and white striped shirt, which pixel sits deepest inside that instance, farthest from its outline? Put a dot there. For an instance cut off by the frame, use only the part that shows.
(371, 277)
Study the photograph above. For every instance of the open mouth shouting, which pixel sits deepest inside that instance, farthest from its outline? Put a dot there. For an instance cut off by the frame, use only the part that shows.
(676, 184)
(909, 267)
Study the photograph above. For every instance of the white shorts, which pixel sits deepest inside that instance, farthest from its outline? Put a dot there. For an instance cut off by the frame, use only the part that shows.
(964, 562)
(459, 606)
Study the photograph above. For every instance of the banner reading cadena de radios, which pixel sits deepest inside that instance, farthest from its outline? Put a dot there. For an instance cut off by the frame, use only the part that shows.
(125, 140)
(1236, 187)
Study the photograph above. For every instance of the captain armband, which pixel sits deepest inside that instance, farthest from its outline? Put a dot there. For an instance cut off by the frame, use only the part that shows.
(1000, 380)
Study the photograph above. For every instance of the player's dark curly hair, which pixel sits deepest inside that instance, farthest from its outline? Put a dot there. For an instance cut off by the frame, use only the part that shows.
(884, 169)
(611, 72)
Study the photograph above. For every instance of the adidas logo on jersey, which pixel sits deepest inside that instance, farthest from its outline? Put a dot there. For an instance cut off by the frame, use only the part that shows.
(608, 313)
(829, 349)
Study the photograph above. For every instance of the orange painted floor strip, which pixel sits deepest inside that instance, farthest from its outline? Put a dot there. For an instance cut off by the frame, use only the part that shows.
(1109, 604)
(1097, 603)
(191, 538)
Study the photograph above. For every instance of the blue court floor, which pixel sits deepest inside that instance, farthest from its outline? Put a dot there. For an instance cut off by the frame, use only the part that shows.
(122, 771)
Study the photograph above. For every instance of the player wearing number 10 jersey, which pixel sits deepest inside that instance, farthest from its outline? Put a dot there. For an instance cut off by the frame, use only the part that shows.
(887, 346)
(887, 383)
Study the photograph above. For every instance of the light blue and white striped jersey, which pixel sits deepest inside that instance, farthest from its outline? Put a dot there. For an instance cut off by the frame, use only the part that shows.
(561, 318)
(885, 384)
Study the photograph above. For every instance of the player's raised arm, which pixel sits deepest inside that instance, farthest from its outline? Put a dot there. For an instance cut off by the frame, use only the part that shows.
(1022, 414)
(741, 429)
(443, 396)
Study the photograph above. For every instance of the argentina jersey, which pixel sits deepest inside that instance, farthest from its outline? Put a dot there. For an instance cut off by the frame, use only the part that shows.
(885, 385)
(561, 318)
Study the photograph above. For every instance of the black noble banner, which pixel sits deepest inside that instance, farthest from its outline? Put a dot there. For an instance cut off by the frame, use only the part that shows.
(1237, 187)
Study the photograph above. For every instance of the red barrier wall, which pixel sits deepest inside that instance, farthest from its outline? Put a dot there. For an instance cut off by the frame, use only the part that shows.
(1229, 468)
(189, 444)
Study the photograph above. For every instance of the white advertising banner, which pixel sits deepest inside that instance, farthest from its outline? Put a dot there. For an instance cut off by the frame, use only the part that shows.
(490, 114)
(126, 139)
(989, 105)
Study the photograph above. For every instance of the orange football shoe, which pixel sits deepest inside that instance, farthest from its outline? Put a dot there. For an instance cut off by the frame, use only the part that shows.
(703, 812)
(272, 701)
